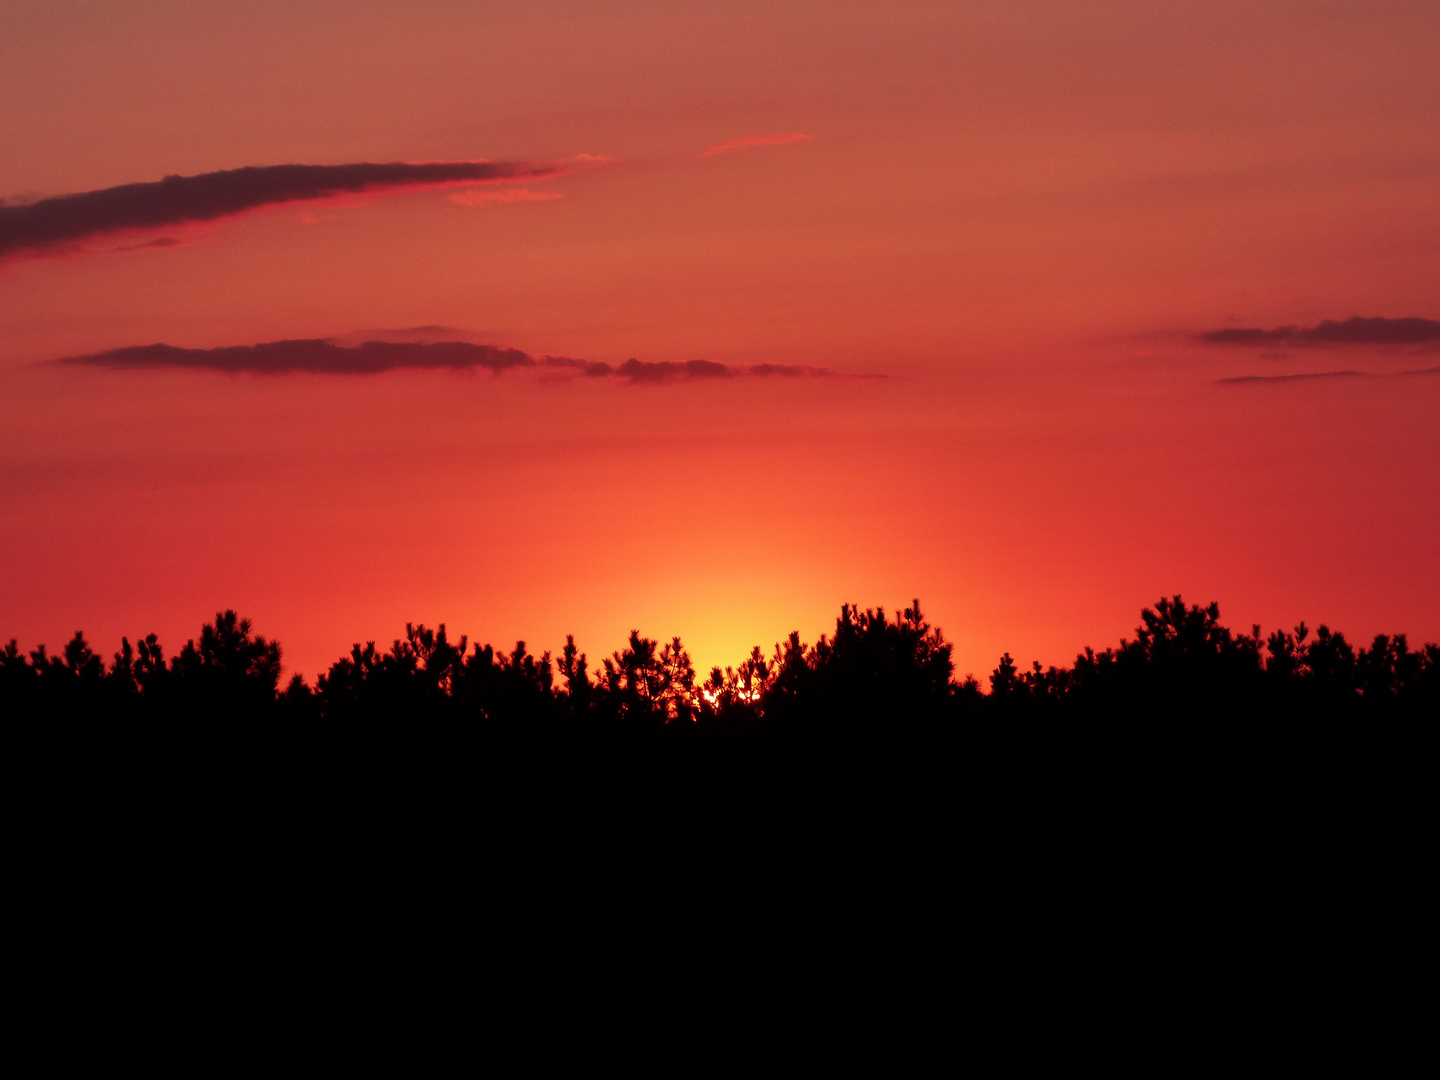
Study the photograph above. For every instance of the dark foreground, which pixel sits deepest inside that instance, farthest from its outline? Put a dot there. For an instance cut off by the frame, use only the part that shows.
(1191, 806)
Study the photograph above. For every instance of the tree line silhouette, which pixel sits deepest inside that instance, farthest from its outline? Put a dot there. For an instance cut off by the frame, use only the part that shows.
(1185, 754)
(875, 677)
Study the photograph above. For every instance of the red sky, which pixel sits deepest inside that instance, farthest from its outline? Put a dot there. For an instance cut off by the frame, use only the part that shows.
(1020, 214)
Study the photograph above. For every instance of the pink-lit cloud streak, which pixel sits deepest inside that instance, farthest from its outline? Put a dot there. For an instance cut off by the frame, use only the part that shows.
(746, 142)
(510, 195)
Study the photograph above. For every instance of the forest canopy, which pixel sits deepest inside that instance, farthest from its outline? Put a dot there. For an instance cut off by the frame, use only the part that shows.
(872, 670)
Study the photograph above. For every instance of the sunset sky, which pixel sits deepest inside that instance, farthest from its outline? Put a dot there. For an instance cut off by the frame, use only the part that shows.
(968, 283)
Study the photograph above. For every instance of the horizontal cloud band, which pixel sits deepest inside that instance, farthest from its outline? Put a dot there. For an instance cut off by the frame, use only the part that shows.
(1354, 331)
(324, 356)
(1250, 380)
(314, 355)
(67, 219)
(644, 371)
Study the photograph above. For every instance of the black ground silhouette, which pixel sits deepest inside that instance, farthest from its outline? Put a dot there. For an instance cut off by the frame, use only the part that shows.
(1189, 782)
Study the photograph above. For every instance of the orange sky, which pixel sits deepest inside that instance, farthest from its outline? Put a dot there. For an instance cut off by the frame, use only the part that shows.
(1020, 214)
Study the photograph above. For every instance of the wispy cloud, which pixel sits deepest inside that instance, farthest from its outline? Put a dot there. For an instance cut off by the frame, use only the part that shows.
(422, 347)
(745, 142)
(1353, 331)
(1313, 375)
(1306, 377)
(64, 222)
(160, 243)
(510, 195)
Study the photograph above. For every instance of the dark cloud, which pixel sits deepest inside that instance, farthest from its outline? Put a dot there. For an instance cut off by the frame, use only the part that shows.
(664, 371)
(160, 242)
(790, 371)
(61, 222)
(641, 371)
(591, 368)
(1354, 331)
(1309, 376)
(314, 355)
(1297, 378)
(418, 347)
